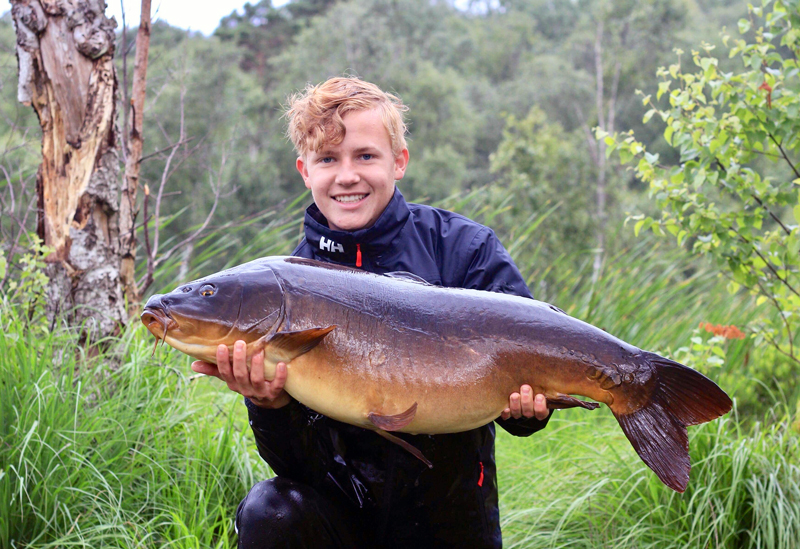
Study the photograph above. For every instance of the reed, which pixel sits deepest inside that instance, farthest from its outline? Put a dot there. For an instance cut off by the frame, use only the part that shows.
(593, 491)
(137, 457)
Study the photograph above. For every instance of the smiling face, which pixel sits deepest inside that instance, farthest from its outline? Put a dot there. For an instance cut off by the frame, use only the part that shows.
(352, 182)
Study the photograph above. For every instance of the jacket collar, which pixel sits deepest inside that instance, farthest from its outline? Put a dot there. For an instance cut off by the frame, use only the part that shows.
(342, 246)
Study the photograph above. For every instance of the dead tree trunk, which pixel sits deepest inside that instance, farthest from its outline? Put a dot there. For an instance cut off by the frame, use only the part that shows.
(606, 120)
(135, 144)
(65, 50)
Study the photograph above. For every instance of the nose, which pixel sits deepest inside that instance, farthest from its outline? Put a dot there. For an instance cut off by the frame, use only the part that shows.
(155, 302)
(347, 173)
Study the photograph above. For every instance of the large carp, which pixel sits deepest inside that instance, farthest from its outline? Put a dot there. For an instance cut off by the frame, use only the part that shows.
(393, 353)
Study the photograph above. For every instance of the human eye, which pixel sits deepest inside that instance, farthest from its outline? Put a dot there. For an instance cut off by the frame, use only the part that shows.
(367, 156)
(325, 160)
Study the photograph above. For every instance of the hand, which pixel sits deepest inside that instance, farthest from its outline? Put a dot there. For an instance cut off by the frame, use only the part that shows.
(247, 382)
(523, 404)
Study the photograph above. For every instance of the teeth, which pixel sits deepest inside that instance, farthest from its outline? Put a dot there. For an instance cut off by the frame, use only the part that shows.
(349, 198)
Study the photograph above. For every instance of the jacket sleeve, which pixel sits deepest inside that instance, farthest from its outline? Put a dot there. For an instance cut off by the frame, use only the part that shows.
(491, 268)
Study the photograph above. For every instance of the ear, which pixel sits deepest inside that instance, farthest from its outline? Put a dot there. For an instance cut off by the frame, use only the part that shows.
(303, 169)
(400, 164)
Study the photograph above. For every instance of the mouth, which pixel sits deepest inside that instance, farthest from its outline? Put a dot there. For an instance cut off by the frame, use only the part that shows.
(159, 323)
(350, 198)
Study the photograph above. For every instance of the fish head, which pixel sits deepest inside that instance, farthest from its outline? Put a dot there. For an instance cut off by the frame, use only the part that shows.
(197, 317)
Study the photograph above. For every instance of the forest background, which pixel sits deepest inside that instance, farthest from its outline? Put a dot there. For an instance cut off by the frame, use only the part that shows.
(504, 100)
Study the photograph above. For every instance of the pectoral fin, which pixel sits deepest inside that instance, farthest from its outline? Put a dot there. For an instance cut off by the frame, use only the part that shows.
(395, 422)
(285, 346)
(561, 401)
(408, 447)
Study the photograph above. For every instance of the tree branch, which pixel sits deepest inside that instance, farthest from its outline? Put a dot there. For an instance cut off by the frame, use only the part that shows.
(766, 261)
(772, 215)
(159, 151)
(789, 335)
(166, 173)
(780, 148)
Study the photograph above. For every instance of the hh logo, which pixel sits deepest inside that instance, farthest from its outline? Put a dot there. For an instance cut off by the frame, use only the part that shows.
(330, 245)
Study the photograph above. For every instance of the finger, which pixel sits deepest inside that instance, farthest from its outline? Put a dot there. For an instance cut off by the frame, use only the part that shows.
(540, 407)
(224, 363)
(514, 405)
(205, 368)
(240, 372)
(257, 380)
(281, 372)
(526, 400)
(505, 414)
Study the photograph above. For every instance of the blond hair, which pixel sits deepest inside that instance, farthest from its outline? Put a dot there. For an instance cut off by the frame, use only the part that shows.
(315, 114)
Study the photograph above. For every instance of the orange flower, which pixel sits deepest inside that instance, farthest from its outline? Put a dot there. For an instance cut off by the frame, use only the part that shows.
(768, 89)
(728, 332)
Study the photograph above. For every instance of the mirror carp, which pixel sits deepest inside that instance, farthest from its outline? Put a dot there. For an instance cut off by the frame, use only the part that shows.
(393, 353)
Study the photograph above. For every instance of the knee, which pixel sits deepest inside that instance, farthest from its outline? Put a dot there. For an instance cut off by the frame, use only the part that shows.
(274, 506)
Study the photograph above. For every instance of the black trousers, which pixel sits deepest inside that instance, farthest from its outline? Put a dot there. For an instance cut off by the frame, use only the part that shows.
(281, 513)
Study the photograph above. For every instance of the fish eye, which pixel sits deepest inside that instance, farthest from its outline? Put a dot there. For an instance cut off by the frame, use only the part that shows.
(207, 290)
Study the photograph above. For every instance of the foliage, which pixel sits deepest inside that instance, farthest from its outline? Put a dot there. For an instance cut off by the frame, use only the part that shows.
(733, 193)
(264, 30)
(541, 165)
(24, 281)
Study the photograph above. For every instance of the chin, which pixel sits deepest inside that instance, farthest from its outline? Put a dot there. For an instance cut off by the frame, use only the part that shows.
(349, 222)
(348, 225)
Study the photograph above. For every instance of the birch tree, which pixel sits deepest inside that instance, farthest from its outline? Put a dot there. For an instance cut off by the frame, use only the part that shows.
(65, 51)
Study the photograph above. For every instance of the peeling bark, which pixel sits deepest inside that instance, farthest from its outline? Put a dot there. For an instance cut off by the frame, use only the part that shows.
(65, 53)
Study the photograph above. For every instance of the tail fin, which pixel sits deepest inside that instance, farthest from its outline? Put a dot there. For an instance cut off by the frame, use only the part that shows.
(657, 431)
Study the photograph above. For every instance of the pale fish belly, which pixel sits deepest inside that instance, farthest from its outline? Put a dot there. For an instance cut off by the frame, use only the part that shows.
(449, 398)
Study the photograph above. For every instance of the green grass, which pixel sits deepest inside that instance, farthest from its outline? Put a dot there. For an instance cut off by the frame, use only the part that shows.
(130, 458)
(580, 484)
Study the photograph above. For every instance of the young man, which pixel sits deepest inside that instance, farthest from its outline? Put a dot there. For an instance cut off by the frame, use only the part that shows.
(340, 485)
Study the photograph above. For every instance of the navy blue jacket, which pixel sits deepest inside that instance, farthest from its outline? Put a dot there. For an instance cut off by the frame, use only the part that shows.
(455, 503)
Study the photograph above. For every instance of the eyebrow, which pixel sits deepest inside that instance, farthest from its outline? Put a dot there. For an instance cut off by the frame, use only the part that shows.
(360, 150)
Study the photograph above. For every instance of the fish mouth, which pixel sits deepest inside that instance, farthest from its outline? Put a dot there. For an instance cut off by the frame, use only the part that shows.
(158, 322)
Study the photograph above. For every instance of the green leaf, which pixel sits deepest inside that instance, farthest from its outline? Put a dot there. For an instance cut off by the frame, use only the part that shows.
(744, 26)
(663, 87)
(673, 70)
